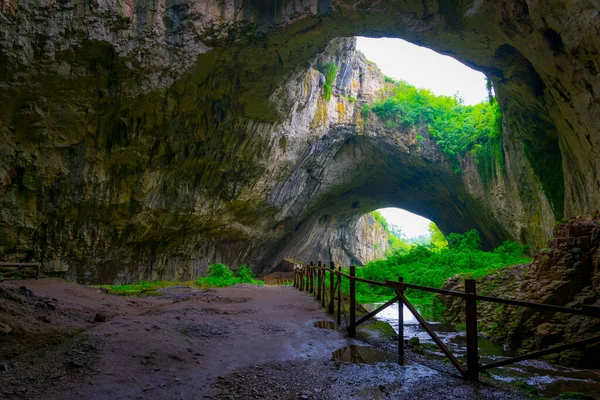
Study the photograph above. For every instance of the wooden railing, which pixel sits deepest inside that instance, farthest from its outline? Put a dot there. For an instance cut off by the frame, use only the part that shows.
(312, 278)
(24, 270)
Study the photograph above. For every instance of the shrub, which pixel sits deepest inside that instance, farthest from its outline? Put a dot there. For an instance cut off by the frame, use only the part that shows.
(329, 70)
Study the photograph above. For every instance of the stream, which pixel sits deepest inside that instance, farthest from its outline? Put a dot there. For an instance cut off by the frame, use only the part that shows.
(548, 379)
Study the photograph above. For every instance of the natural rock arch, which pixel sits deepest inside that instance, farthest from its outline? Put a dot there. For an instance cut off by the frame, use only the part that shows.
(139, 142)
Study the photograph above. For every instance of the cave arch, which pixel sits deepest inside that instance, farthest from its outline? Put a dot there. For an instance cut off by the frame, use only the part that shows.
(146, 130)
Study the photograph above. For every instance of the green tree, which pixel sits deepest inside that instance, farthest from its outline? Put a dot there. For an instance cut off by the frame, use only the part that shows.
(438, 240)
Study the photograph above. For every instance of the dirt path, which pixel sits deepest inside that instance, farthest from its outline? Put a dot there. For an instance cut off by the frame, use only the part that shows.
(239, 342)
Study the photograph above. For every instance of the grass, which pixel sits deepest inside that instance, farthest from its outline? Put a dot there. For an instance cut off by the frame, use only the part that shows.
(428, 266)
(217, 275)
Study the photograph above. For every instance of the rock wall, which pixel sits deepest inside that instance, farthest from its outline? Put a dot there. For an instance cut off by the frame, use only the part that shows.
(142, 140)
(567, 273)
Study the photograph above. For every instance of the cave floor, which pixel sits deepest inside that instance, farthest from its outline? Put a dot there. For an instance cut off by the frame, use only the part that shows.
(240, 342)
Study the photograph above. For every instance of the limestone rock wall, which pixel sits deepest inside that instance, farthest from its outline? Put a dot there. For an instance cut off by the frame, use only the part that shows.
(566, 273)
(143, 140)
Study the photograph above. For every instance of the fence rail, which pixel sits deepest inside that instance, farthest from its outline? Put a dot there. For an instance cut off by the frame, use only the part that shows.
(312, 278)
(24, 270)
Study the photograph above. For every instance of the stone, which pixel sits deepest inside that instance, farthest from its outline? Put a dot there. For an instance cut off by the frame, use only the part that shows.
(5, 329)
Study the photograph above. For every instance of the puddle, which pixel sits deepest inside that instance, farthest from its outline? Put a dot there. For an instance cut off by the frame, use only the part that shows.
(363, 355)
(548, 379)
(325, 325)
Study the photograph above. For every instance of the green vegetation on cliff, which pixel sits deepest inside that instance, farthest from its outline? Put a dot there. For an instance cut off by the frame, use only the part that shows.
(329, 70)
(217, 275)
(457, 128)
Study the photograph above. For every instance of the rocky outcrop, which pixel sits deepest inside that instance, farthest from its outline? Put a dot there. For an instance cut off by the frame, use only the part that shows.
(567, 273)
(356, 243)
(142, 140)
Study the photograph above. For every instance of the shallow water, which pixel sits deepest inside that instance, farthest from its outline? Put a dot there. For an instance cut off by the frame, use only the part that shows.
(550, 380)
(325, 325)
(363, 355)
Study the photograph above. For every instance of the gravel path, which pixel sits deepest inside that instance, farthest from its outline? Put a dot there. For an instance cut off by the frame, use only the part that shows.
(241, 342)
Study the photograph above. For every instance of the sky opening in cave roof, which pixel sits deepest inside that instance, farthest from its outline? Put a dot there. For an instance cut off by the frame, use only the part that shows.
(422, 67)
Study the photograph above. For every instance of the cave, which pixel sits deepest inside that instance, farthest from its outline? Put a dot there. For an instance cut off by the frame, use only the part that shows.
(173, 135)
(151, 141)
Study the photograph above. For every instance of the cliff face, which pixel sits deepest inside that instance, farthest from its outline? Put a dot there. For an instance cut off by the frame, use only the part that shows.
(142, 139)
(566, 273)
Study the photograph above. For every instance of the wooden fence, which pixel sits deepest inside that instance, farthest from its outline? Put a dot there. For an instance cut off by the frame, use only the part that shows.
(24, 270)
(312, 278)
(279, 278)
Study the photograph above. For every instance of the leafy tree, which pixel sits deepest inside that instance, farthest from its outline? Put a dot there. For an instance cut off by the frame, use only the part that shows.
(469, 240)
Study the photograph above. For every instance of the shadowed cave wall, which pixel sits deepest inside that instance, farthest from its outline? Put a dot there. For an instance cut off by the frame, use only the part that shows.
(143, 140)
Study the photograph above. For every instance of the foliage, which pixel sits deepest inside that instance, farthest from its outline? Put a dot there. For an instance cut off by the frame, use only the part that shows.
(381, 219)
(457, 128)
(438, 240)
(395, 240)
(142, 288)
(427, 266)
(364, 111)
(329, 70)
(217, 275)
(469, 240)
(352, 99)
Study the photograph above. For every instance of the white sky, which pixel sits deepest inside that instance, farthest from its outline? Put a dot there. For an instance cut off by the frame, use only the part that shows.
(412, 224)
(424, 68)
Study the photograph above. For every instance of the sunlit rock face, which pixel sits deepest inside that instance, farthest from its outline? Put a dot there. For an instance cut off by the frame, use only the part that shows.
(150, 139)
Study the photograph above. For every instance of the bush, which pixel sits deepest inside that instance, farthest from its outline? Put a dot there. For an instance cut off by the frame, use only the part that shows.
(431, 266)
(457, 128)
(329, 70)
(244, 274)
(466, 241)
(220, 275)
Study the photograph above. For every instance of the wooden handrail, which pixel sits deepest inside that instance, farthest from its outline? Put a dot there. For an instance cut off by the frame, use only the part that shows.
(587, 311)
(305, 280)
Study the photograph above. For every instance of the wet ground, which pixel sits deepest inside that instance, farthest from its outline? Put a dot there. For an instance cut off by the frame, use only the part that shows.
(241, 342)
(549, 380)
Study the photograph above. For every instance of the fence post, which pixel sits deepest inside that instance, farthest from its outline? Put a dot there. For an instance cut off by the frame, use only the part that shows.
(319, 281)
(331, 282)
(322, 285)
(401, 326)
(310, 283)
(305, 280)
(471, 322)
(352, 328)
(339, 297)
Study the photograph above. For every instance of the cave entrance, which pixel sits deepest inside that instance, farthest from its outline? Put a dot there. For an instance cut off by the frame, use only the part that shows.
(403, 228)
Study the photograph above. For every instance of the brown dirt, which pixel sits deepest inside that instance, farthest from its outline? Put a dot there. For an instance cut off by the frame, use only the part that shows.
(239, 342)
